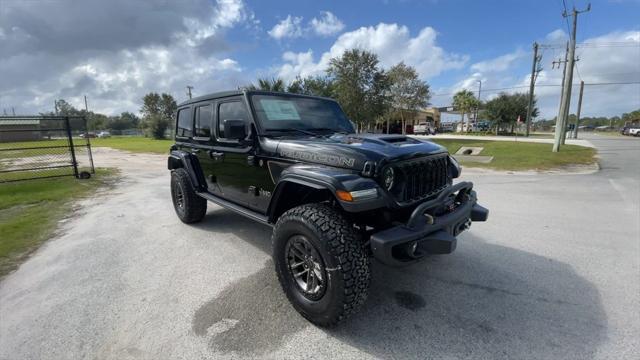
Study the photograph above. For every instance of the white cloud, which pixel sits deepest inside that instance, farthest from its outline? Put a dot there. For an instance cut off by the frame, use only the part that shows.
(328, 24)
(131, 61)
(556, 36)
(610, 58)
(292, 27)
(391, 42)
(501, 63)
(288, 28)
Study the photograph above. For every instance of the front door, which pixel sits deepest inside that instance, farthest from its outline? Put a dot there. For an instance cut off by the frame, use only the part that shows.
(239, 174)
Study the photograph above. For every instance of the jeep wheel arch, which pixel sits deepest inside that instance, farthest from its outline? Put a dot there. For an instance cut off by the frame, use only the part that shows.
(295, 192)
(182, 159)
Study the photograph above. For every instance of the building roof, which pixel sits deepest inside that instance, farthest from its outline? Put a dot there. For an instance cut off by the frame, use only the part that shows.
(18, 121)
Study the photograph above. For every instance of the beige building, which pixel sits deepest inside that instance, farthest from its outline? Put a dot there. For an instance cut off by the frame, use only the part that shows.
(429, 115)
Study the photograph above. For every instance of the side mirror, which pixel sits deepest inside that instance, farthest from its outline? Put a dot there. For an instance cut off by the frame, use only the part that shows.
(235, 129)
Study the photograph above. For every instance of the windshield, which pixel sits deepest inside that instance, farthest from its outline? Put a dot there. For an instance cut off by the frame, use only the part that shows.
(284, 113)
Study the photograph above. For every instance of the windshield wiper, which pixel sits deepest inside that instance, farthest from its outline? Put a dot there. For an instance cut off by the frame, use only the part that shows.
(306, 132)
(332, 130)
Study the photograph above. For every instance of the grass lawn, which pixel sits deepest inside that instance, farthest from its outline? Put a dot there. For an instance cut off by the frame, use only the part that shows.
(509, 155)
(30, 211)
(135, 144)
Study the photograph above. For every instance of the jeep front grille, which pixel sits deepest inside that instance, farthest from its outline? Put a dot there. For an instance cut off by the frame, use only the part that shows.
(422, 178)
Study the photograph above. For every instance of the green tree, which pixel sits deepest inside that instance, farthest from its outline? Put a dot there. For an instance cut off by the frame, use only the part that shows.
(464, 101)
(125, 121)
(66, 109)
(630, 116)
(312, 85)
(505, 109)
(359, 85)
(407, 92)
(273, 84)
(158, 112)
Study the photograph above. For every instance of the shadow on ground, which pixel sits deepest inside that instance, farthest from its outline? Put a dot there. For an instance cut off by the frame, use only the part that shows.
(484, 300)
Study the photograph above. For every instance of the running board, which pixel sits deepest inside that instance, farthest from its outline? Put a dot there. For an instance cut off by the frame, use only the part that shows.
(253, 215)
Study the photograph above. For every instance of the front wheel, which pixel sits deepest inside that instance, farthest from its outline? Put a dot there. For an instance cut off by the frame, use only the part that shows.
(321, 264)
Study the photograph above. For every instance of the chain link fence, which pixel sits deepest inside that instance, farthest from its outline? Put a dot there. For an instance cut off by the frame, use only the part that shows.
(33, 147)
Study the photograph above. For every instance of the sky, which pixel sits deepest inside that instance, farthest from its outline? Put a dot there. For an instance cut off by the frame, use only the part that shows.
(116, 51)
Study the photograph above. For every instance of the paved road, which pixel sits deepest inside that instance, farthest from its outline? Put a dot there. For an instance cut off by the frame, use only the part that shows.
(554, 274)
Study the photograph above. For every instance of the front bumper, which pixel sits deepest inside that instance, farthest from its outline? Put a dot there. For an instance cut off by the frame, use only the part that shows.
(425, 232)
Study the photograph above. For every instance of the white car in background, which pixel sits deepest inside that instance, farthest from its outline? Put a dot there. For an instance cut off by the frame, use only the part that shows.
(424, 128)
(104, 134)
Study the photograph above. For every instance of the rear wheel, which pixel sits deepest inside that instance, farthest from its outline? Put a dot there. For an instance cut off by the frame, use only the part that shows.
(189, 207)
(320, 262)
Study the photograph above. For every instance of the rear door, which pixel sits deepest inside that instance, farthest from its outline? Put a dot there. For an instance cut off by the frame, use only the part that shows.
(184, 128)
(204, 142)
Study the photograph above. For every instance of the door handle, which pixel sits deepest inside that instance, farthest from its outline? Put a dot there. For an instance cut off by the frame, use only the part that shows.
(215, 154)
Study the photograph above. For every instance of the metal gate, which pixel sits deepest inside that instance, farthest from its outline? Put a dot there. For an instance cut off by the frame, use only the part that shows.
(34, 147)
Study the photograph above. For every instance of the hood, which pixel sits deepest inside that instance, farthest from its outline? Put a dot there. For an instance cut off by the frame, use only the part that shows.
(352, 151)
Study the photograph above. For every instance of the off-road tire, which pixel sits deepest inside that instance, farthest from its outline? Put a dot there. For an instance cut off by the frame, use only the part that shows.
(344, 257)
(189, 207)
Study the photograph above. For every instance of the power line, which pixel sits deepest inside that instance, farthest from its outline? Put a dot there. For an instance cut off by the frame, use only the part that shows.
(548, 85)
(590, 45)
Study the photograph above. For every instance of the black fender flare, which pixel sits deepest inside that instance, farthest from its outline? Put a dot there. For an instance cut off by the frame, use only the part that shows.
(182, 159)
(322, 178)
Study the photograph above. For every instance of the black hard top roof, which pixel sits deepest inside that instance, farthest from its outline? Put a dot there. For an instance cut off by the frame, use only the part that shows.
(222, 94)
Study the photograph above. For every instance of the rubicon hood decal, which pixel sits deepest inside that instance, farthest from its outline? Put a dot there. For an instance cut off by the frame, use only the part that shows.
(328, 159)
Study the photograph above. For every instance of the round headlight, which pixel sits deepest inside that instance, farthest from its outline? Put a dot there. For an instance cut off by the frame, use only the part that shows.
(388, 178)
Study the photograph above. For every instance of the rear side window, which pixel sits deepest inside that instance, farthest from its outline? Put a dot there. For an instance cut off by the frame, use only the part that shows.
(204, 117)
(234, 110)
(185, 125)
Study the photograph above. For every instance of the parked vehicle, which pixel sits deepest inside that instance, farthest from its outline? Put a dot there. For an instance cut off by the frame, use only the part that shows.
(424, 128)
(634, 131)
(446, 127)
(333, 198)
(88, 135)
(104, 134)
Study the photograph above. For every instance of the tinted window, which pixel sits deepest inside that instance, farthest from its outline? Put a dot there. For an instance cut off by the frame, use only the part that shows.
(234, 110)
(185, 125)
(204, 115)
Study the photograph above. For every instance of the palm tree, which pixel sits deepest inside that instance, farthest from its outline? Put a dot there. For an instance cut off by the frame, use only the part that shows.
(464, 101)
(273, 84)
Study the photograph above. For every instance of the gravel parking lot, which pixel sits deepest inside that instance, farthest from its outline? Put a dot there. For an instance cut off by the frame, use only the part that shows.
(554, 273)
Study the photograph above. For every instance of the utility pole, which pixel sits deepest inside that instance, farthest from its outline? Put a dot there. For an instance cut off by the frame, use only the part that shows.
(534, 74)
(86, 108)
(55, 106)
(189, 87)
(568, 79)
(575, 131)
(559, 62)
(13, 111)
(478, 105)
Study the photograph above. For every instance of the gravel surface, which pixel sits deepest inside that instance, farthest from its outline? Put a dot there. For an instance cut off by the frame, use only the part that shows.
(554, 273)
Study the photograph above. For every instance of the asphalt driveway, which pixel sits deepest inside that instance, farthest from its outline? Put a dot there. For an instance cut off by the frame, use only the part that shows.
(555, 273)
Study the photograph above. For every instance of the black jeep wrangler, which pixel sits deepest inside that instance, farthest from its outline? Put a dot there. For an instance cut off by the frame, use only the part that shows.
(334, 198)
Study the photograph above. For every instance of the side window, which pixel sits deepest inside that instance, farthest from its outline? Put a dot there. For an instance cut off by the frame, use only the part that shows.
(233, 110)
(204, 115)
(184, 127)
